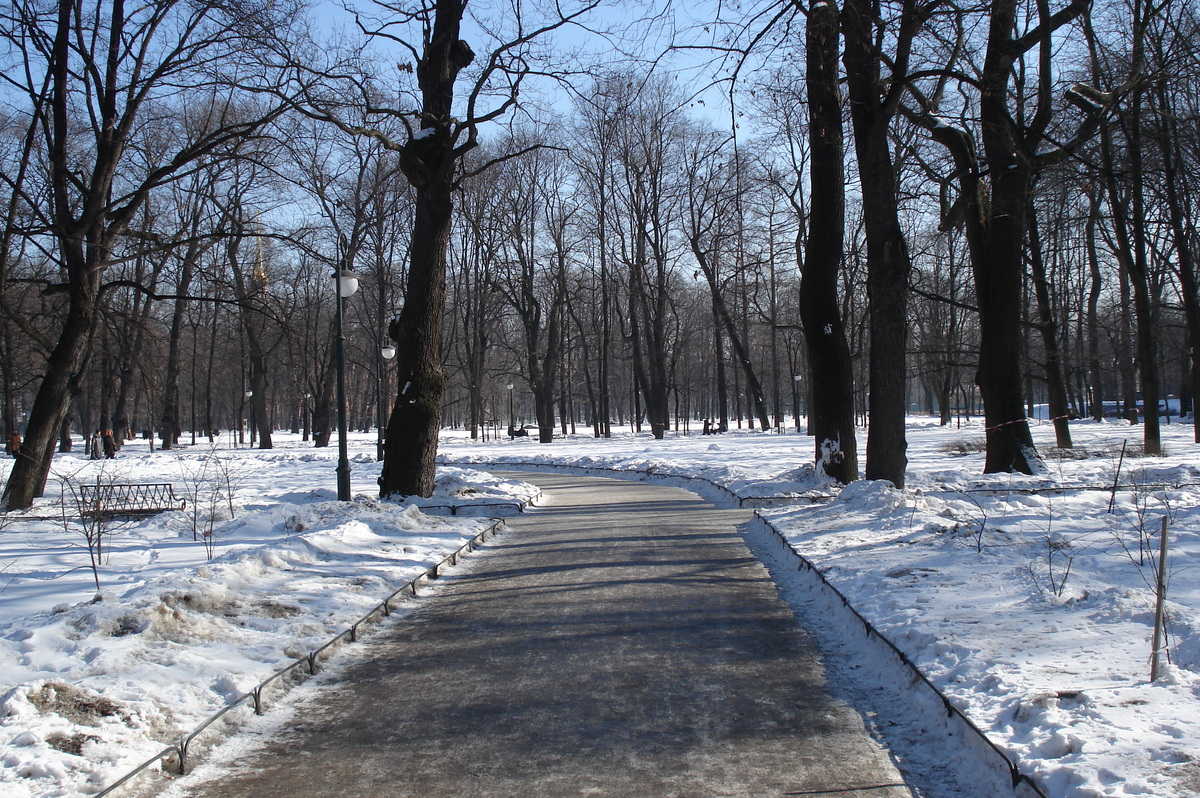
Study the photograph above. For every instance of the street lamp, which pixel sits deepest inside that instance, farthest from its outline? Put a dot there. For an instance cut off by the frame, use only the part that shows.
(250, 394)
(512, 420)
(345, 284)
(388, 351)
(304, 413)
(796, 397)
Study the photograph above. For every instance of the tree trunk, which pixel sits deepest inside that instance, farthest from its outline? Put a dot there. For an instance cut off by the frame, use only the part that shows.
(1093, 312)
(259, 385)
(169, 421)
(996, 256)
(604, 358)
(1000, 376)
(657, 390)
(888, 263)
(722, 317)
(428, 161)
(410, 447)
(128, 357)
(1145, 314)
(322, 405)
(27, 479)
(169, 409)
(722, 377)
(1048, 328)
(65, 445)
(831, 411)
(1183, 232)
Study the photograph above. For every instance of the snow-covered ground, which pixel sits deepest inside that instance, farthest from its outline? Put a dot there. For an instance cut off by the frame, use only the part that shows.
(1023, 598)
(93, 683)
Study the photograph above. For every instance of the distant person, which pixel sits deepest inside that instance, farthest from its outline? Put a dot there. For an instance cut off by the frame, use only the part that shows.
(13, 446)
(110, 445)
(94, 447)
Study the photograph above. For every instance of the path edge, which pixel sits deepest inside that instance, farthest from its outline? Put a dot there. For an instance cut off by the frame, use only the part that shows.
(955, 721)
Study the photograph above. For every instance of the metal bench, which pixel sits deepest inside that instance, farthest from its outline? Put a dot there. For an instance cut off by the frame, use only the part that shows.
(128, 499)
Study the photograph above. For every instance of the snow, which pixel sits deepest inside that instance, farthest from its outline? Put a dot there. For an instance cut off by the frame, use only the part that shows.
(1023, 599)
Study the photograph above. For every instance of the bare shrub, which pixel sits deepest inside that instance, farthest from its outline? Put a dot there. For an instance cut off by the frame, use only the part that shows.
(94, 516)
(210, 483)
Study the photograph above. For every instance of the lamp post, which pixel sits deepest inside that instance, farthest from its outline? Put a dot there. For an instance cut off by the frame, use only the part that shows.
(304, 414)
(796, 396)
(345, 284)
(388, 351)
(512, 420)
(250, 399)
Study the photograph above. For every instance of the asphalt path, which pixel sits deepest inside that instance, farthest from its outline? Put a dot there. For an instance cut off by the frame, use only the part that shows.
(619, 640)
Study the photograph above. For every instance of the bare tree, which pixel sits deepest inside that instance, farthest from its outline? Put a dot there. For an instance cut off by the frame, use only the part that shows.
(1019, 142)
(91, 69)
(438, 133)
(1048, 328)
(534, 220)
(192, 203)
(597, 114)
(712, 194)
(649, 144)
(874, 102)
(1180, 194)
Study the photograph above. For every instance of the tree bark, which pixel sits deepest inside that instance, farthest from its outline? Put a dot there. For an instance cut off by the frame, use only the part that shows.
(322, 404)
(831, 410)
(1095, 289)
(428, 161)
(722, 378)
(30, 471)
(888, 262)
(410, 448)
(998, 240)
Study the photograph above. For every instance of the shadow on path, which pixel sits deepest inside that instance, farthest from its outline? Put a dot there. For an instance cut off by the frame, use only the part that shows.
(619, 641)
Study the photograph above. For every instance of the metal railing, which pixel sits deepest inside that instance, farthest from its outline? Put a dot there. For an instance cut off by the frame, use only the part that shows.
(177, 753)
(519, 505)
(128, 498)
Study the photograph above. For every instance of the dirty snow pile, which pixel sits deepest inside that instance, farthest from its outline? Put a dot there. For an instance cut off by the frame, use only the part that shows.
(194, 607)
(1028, 600)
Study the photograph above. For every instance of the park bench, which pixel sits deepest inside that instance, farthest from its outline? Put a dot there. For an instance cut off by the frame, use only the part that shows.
(128, 499)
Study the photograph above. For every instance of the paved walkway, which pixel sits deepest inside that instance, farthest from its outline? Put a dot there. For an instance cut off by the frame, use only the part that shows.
(619, 641)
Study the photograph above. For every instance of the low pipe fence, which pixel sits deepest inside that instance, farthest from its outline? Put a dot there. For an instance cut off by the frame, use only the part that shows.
(1022, 784)
(177, 754)
(468, 509)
